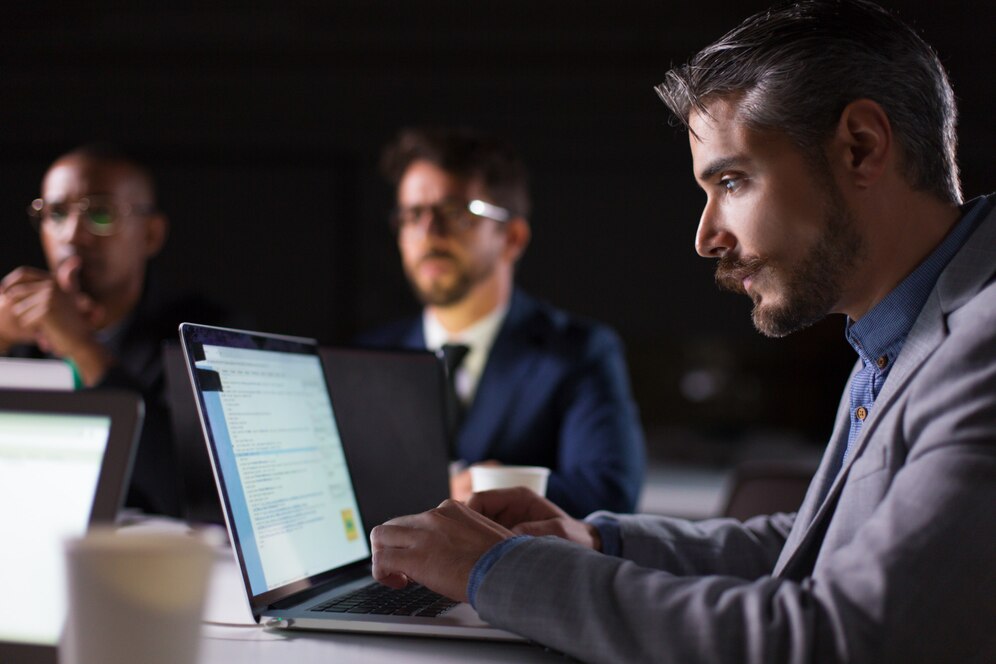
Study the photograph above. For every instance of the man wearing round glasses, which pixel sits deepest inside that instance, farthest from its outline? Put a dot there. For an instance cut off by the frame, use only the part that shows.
(530, 384)
(99, 227)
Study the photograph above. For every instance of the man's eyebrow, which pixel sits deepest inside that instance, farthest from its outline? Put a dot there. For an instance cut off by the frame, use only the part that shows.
(719, 166)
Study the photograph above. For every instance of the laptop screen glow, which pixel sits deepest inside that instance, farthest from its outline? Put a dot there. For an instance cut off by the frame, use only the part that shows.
(281, 458)
(49, 466)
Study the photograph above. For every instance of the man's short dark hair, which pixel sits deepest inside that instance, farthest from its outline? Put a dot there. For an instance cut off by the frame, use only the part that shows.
(799, 64)
(465, 153)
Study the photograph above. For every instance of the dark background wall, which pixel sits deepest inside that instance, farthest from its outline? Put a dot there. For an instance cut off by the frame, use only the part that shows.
(263, 122)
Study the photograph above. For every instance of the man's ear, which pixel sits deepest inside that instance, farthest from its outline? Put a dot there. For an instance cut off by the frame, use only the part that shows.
(156, 232)
(862, 146)
(517, 236)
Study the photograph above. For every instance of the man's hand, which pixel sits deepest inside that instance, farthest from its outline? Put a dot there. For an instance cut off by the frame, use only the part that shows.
(60, 321)
(11, 331)
(526, 513)
(438, 548)
(50, 313)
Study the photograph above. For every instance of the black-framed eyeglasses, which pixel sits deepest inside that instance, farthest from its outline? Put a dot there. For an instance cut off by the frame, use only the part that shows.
(453, 215)
(100, 215)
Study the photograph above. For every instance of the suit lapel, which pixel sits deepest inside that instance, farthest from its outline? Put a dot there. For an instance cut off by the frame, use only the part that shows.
(414, 336)
(822, 480)
(970, 269)
(509, 364)
(926, 335)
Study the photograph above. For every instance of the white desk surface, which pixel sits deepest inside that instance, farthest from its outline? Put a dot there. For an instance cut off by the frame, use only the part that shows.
(230, 636)
(223, 645)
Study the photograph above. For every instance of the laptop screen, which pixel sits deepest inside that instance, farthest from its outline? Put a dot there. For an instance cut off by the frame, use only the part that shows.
(291, 501)
(49, 467)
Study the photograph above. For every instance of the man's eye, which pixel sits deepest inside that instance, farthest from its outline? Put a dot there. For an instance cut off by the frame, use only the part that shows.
(411, 215)
(58, 213)
(101, 216)
(730, 184)
(451, 209)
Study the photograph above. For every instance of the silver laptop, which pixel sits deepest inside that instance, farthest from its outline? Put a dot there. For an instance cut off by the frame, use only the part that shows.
(288, 495)
(65, 459)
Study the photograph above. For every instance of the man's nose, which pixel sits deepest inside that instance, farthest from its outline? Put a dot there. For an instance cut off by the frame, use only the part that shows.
(74, 230)
(437, 223)
(712, 240)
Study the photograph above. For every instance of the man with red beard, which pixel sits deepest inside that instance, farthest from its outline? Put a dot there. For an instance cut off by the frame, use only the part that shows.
(823, 133)
(94, 307)
(533, 384)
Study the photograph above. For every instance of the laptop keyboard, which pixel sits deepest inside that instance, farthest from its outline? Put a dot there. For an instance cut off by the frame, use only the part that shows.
(413, 600)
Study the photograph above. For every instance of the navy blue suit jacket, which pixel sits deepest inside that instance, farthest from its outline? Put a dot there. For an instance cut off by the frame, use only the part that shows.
(555, 392)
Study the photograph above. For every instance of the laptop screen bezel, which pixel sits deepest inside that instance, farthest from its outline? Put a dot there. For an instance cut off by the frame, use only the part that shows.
(258, 603)
(125, 411)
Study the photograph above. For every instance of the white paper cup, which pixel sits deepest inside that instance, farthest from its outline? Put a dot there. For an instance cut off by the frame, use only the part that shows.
(485, 478)
(135, 597)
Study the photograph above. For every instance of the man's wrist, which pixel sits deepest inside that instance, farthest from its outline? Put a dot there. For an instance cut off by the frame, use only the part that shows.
(91, 360)
(596, 537)
(609, 537)
(487, 561)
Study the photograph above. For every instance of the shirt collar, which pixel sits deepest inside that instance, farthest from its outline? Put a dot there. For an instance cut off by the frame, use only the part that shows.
(881, 332)
(479, 336)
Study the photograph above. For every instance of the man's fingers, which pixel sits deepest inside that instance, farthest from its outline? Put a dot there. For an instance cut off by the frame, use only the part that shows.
(22, 289)
(538, 528)
(457, 510)
(67, 275)
(386, 568)
(30, 308)
(92, 313)
(23, 275)
(396, 533)
(388, 543)
(491, 503)
(510, 507)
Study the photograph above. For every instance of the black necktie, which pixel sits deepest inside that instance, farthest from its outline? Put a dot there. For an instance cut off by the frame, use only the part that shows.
(453, 355)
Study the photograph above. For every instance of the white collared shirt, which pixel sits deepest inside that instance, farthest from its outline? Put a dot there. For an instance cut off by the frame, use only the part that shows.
(479, 337)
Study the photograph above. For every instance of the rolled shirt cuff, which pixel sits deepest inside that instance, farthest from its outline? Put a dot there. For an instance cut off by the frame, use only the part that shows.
(487, 561)
(608, 531)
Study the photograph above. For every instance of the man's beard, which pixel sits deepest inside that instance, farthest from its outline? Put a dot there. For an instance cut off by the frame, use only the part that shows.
(813, 286)
(442, 295)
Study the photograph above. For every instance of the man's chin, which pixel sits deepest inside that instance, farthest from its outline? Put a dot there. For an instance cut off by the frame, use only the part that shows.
(438, 295)
(777, 322)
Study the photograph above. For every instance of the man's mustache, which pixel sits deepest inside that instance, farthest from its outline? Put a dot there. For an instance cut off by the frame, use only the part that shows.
(731, 272)
(436, 253)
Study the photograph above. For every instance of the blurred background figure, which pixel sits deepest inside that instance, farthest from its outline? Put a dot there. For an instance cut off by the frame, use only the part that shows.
(531, 384)
(95, 305)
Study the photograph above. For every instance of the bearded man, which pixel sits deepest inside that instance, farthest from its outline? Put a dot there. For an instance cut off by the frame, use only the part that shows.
(531, 384)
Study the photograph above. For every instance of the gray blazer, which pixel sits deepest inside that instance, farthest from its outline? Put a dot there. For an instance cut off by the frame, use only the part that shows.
(893, 559)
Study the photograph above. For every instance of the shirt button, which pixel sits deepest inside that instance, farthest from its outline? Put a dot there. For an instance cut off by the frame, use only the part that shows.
(861, 413)
(882, 362)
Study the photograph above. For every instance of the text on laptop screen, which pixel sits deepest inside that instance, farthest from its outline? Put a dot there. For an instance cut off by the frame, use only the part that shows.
(49, 466)
(292, 501)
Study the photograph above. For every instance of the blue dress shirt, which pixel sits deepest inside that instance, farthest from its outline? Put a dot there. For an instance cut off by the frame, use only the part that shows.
(880, 334)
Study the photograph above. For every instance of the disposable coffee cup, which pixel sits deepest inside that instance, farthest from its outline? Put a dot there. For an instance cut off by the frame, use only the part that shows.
(485, 478)
(135, 597)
